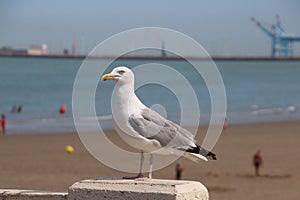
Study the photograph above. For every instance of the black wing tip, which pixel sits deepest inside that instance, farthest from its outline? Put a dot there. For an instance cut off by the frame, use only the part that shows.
(211, 156)
(202, 151)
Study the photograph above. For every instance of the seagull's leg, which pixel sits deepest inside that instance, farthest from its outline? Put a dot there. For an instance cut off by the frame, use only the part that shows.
(140, 175)
(151, 166)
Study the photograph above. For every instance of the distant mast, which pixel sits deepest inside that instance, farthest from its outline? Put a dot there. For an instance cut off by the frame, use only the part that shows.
(74, 45)
(163, 51)
(82, 45)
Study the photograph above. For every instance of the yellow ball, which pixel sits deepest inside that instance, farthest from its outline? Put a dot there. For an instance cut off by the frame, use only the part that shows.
(69, 149)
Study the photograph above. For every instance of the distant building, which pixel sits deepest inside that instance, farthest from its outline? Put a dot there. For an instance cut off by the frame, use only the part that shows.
(66, 52)
(8, 51)
(37, 50)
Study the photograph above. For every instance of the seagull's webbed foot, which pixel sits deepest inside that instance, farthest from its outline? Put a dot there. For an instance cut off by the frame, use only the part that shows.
(139, 177)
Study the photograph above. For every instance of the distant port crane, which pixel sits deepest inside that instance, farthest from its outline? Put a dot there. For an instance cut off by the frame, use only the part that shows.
(282, 42)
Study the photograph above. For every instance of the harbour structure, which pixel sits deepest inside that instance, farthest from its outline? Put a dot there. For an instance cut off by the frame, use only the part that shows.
(282, 42)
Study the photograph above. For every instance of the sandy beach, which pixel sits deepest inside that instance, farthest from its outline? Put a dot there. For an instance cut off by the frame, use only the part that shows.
(40, 162)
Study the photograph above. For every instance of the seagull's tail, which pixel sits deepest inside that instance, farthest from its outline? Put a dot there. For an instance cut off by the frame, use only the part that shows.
(196, 153)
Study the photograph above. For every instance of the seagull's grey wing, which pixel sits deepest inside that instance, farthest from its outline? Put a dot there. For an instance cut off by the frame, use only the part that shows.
(151, 125)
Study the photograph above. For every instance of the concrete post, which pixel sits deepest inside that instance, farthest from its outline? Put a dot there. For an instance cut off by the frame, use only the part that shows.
(155, 189)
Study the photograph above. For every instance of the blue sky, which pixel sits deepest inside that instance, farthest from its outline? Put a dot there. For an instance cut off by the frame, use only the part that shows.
(222, 27)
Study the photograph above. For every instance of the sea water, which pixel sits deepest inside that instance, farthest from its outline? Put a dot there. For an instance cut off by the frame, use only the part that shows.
(256, 91)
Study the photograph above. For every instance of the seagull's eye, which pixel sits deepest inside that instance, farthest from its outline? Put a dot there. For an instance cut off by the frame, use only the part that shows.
(121, 72)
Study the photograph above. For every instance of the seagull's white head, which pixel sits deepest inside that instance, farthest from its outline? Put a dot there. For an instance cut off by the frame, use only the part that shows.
(121, 75)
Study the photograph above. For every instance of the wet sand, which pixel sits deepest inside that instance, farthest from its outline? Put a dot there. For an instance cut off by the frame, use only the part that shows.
(40, 162)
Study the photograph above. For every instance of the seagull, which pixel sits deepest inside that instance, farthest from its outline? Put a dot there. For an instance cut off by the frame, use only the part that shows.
(145, 129)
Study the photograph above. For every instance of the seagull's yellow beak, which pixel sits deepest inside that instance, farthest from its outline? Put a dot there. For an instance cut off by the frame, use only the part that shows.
(106, 77)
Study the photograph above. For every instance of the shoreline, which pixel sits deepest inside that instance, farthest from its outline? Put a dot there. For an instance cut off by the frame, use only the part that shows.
(70, 128)
(215, 58)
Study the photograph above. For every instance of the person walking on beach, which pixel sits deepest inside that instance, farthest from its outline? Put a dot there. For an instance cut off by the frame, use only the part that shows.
(257, 162)
(3, 124)
(179, 170)
(225, 126)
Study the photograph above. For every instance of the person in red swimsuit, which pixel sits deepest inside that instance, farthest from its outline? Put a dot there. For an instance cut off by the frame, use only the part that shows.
(3, 124)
